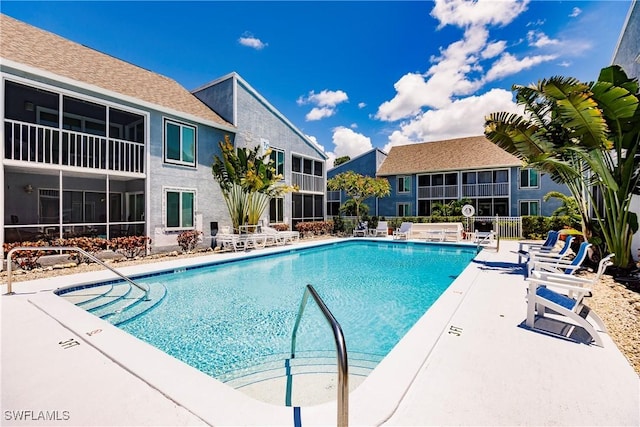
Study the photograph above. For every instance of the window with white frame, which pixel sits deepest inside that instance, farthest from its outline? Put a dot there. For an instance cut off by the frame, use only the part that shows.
(529, 178)
(529, 207)
(179, 208)
(277, 157)
(179, 143)
(404, 184)
(404, 209)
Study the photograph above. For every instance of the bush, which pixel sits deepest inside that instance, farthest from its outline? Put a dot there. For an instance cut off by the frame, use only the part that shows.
(129, 246)
(315, 228)
(280, 227)
(188, 240)
(26, 260)
(92, 245)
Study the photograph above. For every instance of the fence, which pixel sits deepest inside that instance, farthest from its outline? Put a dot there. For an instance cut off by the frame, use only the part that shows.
(507, 227)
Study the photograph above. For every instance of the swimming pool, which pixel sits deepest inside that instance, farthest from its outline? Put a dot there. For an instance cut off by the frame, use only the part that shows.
(232, 319)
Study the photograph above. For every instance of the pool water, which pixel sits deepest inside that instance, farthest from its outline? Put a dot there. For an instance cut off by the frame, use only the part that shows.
(227, 317)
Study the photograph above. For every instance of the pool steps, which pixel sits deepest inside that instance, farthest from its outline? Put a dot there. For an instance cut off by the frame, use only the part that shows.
(116, 303)
(279, 366)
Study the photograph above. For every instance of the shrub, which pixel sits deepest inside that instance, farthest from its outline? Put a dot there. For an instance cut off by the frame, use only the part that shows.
(315, 228)
(129, 246)
(26, 260)
(92, 245)
(280, 227)
(188, 240)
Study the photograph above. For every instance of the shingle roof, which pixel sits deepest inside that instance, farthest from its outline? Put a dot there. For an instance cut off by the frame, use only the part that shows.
(475, 152)
(34, 47)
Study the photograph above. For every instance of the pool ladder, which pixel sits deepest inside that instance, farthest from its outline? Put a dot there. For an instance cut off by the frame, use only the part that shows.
(341, 350)
(67, 248)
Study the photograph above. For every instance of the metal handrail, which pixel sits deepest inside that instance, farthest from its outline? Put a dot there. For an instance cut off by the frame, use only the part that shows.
(341, 350)
(66, 248)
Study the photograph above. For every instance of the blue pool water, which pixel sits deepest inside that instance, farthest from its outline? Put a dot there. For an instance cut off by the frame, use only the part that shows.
(228, 317)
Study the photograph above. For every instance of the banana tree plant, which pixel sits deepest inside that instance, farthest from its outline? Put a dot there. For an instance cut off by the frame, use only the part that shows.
(586, 136)
(248, 181)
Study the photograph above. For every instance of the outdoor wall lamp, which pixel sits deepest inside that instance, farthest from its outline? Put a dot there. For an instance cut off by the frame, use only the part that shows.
(28, 188)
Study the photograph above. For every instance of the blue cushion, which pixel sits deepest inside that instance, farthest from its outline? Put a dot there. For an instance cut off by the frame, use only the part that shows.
(561, 300)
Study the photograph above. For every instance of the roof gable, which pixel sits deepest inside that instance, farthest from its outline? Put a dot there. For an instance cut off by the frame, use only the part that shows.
(475, 152)
(34, 47)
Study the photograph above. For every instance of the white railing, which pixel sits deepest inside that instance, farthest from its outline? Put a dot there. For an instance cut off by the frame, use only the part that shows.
(308, 182)
(29, 142)
(508, 227)
(485, 190)
(439, 192)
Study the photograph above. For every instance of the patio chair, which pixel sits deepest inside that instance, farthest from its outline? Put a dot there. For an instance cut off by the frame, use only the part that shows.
(563, 295)
(403, 232)
(549, 243)
(361, 230)
(280, 237)
(381, 230)
(559, 265)
(532, 254)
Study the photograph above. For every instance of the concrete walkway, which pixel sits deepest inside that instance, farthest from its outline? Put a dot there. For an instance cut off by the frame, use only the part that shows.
(484, 369)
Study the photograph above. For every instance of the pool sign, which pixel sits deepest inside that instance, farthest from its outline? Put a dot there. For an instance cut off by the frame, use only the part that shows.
(468, 210)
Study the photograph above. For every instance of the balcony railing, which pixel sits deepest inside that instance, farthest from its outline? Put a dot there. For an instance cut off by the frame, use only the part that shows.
(485, 190)
(308, 182)
(439, 192)
(28, 142)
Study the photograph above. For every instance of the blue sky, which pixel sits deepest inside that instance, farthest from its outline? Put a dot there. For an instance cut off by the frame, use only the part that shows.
(354, 75)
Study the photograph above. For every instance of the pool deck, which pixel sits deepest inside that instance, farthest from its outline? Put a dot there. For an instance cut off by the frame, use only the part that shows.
(477, 365)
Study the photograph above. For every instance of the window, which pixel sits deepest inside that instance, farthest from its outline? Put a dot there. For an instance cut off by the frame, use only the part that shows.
(528, 178)
(277, 157)
(529, 208)
(179, 208)
(179, 143)
(404, 209)
(276, 210)
(404, 184)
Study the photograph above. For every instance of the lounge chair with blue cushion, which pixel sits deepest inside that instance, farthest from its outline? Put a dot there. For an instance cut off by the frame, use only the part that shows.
(403, 232)
(549, 244)
(361, 230)
(562, 294)
(532, 254)
(559, 265)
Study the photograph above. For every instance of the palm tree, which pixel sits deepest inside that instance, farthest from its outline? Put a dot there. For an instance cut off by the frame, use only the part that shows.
(585, 136)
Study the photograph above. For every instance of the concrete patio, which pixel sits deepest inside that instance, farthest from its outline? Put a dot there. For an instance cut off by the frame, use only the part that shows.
(482, 367)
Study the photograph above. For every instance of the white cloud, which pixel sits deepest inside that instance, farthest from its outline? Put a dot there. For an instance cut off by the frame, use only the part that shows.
(540, 39)
(464, 13)
(575, 12)
(326, 98)
(509, 64)
(361, 105)
(252, 42)
(350, 143)
(325, 101)
(493, 49)
(354, 126)
(464, 117)
(319, 113)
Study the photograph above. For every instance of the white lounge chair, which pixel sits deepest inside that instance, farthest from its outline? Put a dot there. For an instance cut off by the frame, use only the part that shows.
(381, 230)
(404, 231)
(559, 265)
(280, 237)
(549, 244)
(563, 294)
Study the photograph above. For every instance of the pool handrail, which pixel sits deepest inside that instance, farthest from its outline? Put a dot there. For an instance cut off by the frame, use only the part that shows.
(341, 350)
(66, 248)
